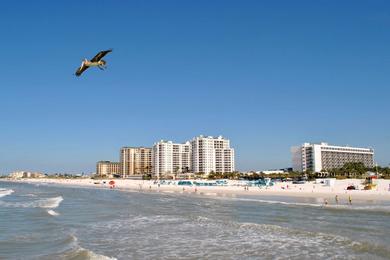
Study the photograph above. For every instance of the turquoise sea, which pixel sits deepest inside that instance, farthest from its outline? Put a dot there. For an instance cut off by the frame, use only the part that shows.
(46, 221)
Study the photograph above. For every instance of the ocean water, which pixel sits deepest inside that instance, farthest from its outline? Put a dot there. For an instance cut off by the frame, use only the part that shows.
(53, 222)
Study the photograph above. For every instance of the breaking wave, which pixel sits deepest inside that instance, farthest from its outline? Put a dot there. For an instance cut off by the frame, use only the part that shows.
(294, 242)
(199, 237)
(52, 212)
(72, 250)
(380, 208)
(5, 192)
(49, 203)
(82, 253)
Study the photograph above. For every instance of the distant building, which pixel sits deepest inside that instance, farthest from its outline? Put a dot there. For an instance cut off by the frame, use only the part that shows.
(135, 161)
(170, 158)
(17, 174)
(107, 168)
(37, 175)
(273, 172)
(211, 154)
(317, 157)
(200, 155)
(26, 174)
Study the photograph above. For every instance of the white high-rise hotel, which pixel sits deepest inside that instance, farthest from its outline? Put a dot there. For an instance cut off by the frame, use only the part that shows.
(200, 155)
(212, 154)
(170, 158)
(318, 157)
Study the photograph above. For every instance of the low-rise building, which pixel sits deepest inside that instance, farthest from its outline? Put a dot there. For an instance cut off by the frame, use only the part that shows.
(17, 174)
(319, 157)
(26, 174)
(273, 172)
(107, 168)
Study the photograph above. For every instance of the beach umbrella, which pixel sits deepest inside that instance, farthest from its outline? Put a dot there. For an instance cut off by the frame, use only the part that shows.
(112, 183)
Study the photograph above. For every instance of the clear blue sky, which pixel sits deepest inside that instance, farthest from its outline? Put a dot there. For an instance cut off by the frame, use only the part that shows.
(266, 74)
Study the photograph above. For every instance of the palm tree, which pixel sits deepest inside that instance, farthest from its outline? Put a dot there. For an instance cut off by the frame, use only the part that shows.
(176, 170)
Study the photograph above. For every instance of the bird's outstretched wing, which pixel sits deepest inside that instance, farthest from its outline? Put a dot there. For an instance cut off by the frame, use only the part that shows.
(80, 70)
(100, 55)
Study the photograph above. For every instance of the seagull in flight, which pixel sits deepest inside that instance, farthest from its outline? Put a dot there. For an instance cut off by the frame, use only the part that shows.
(94, 62)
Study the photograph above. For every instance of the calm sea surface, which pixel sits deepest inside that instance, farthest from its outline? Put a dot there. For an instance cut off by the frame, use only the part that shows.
(54, 222)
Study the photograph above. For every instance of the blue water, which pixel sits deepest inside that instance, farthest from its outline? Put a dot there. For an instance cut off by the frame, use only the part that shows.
(54, 222)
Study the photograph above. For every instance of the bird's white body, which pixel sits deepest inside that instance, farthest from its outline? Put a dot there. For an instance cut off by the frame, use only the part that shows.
(90, 63)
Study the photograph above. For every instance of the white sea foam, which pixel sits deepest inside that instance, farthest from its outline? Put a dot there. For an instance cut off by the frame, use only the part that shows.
(88, 254)
(72, 250)
(5, 192)
(48, 203)
(79, 252)
(253, 237)
(30, 195)
(382, 208)
(52, 212)
(199, 237)
(280, 202)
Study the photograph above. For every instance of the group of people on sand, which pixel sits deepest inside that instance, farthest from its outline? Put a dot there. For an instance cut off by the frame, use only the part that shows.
(336, 198)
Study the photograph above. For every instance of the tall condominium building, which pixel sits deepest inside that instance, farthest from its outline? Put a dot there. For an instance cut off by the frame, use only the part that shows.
(317, 157)
(171, 158)
(135, 161)
(105, 168)
(211, 154)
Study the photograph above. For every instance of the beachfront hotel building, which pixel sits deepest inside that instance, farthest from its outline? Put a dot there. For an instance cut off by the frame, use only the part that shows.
(107, 168)
(322, 156)
(24, 174)
(135, 161)
(211, 154)
(170, 158)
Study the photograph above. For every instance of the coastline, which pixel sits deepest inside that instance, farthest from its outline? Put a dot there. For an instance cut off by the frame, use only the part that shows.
(280, 189)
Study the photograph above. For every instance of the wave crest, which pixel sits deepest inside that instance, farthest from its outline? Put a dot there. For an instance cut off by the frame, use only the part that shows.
(82, 253)
(49, 203)
(52, 212)
(72, 250)
(380, 208)
(5, 192)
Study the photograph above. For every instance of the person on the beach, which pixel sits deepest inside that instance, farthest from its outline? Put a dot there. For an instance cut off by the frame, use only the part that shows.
(336, 198)
(325, 202)
(350, 200)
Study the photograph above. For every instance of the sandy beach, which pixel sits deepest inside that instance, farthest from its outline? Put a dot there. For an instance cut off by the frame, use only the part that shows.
(288, 189)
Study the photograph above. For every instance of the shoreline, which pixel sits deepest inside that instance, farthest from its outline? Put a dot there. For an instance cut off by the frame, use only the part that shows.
(309, 190)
